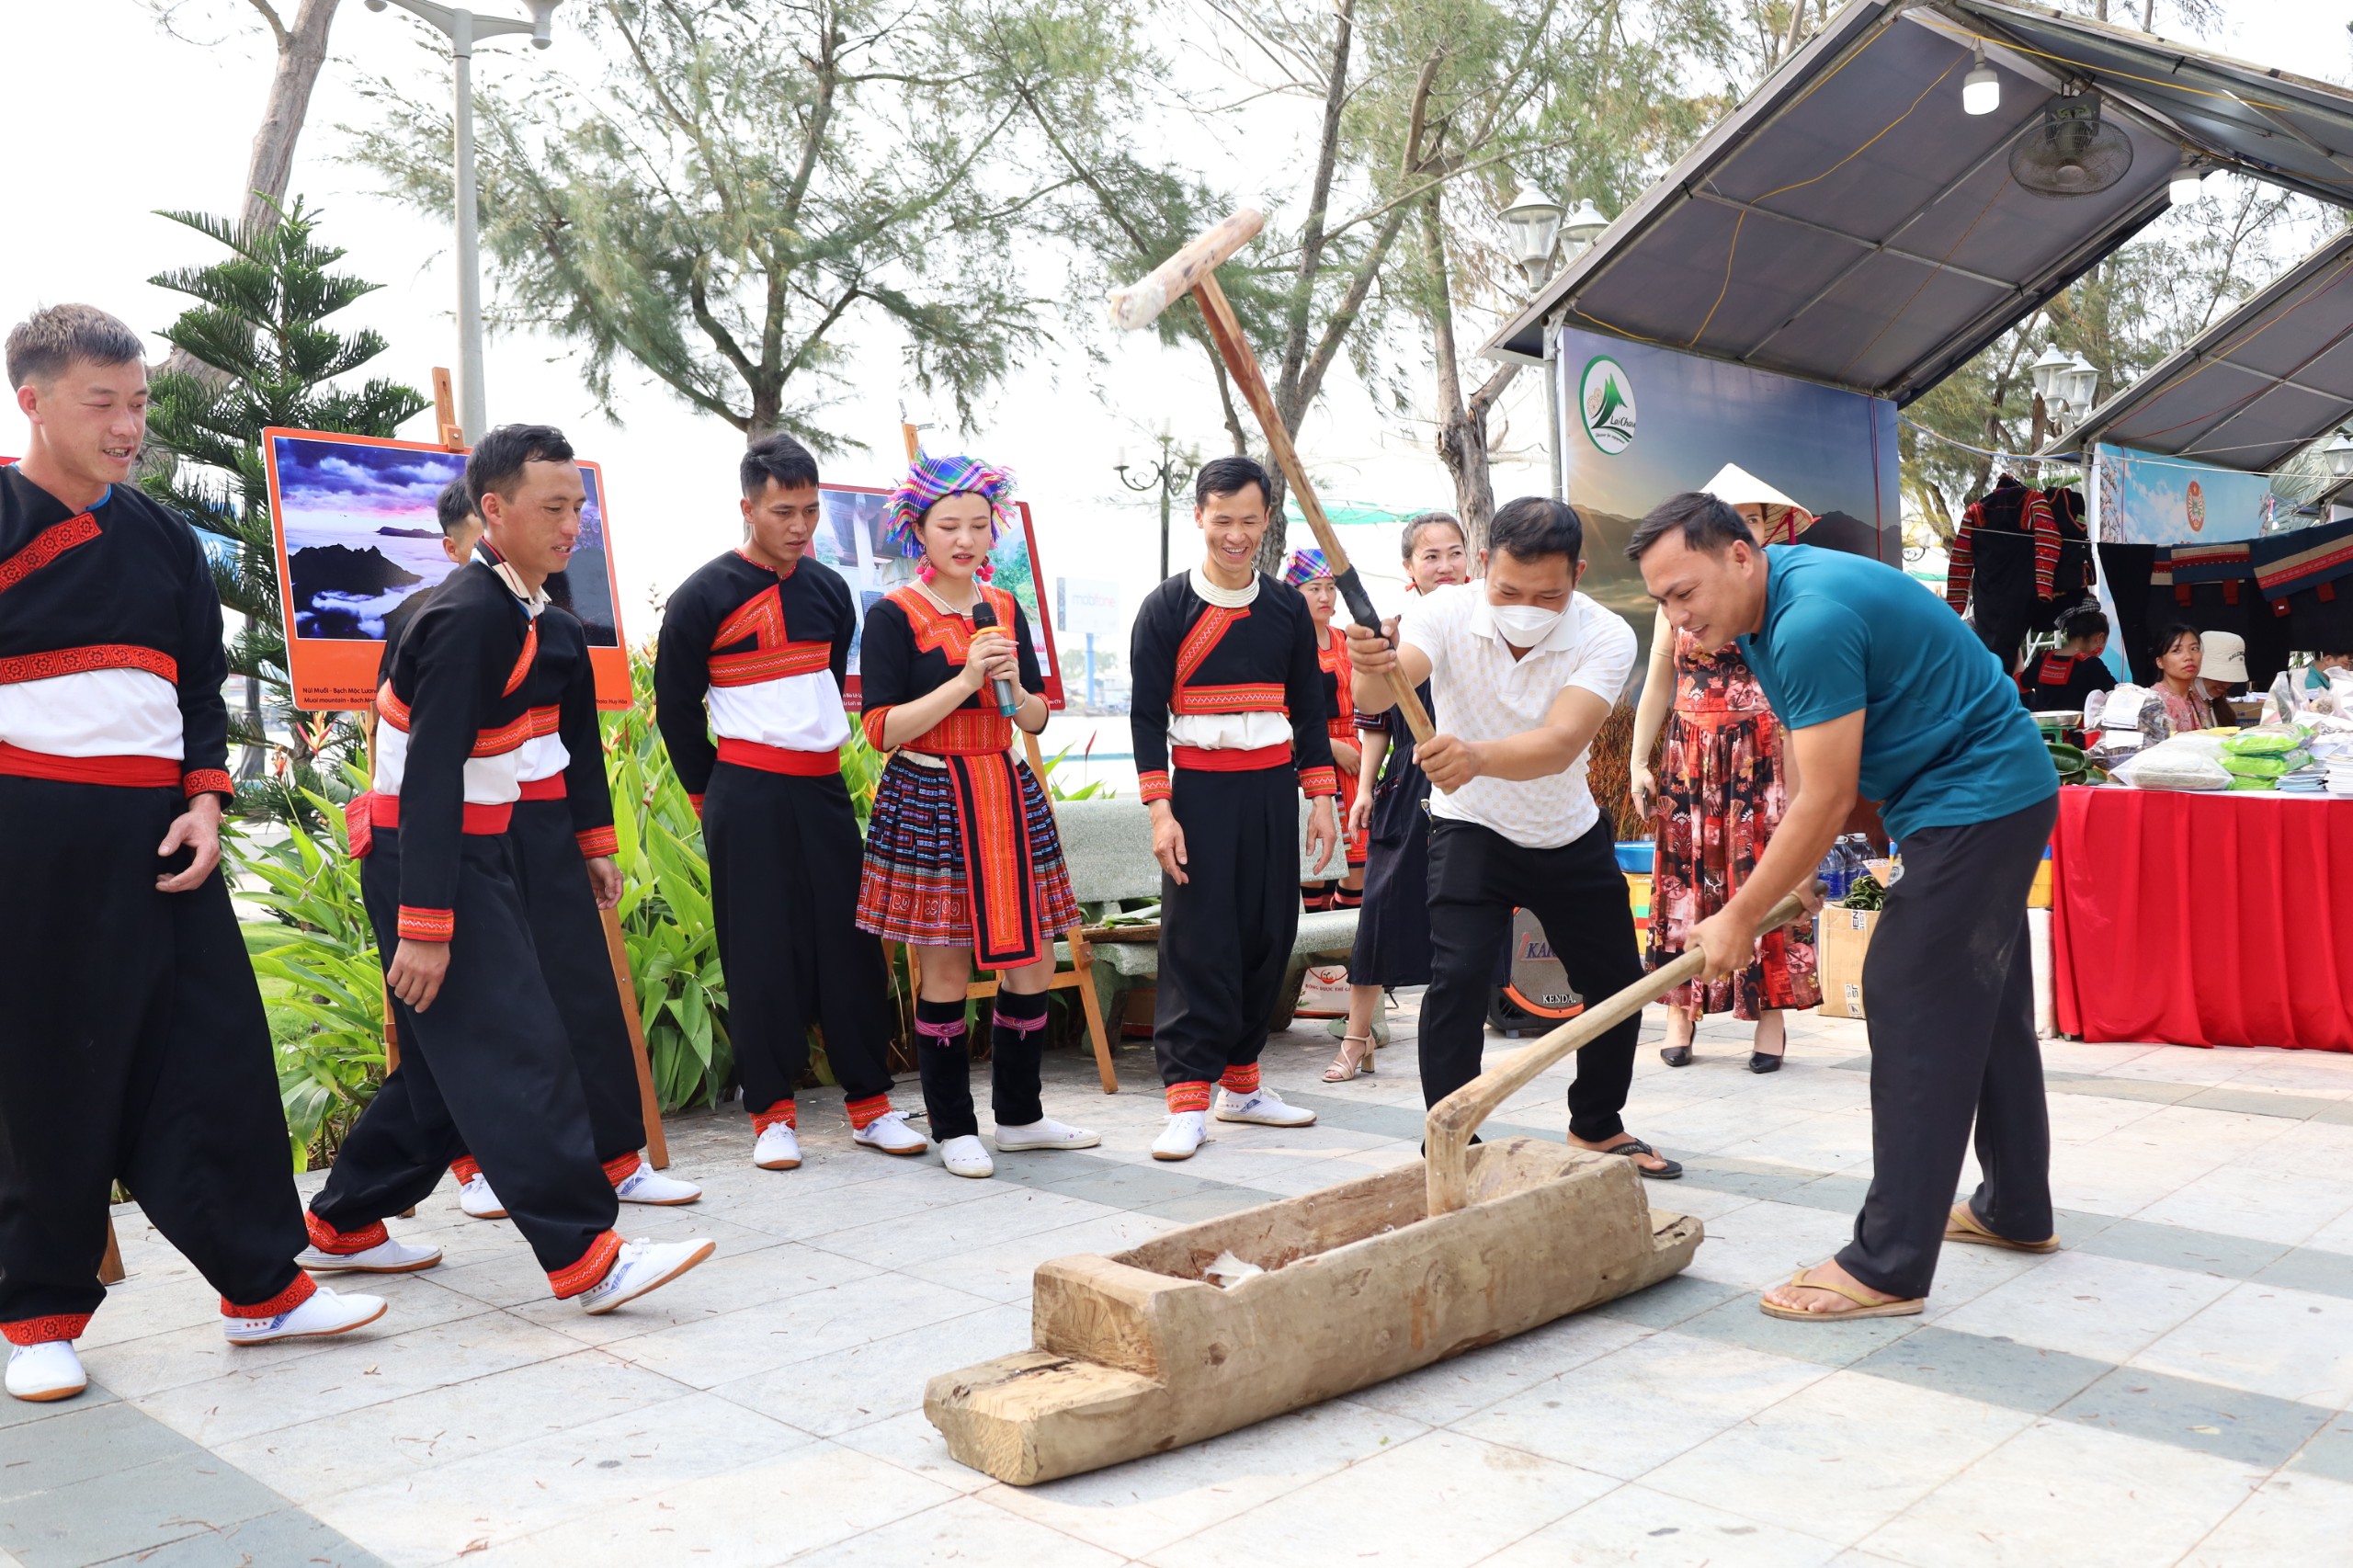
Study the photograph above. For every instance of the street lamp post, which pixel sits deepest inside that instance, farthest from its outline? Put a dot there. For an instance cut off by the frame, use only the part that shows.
(1165, 476)
(462, 27)
(1533, 220)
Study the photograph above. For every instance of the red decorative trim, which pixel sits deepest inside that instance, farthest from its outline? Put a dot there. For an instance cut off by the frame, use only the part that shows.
(864, 1113)
(1153, 785)
(47, 546)
(1242, 1078)
(779, 759)
(67, 1326)
(1195, 760)
(506, 738)
(870, 722)
(783, 1111)
(480, 821)
(620, 1167)
(125, 772)
(286, 1301)
(967, 732)
(427, 924)
(1314, 781)
(390, 708)
(208, 782)
(944, 629)
(762, 665)
(343, 1243)
(1249, 696)
(522, 661)
(81, 660)
(548, 789)
(1216, 619)
(760, 617)
(465, 1168)
(991, 821)
(359, 824)
(697, 801)
(589, 1271)
(1183, 1097)
(780, 576)
(598, 841)
(546, 721)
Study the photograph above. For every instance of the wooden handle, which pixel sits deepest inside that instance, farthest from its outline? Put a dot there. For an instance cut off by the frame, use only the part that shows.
(1225, 330)
(1140, 304)
(1447, 1132)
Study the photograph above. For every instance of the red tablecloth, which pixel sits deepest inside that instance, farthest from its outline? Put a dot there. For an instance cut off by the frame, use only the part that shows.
(2195, 919)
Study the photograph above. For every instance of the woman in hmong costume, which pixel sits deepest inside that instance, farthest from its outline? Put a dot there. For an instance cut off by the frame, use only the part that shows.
(1307, 571)
(962, 862)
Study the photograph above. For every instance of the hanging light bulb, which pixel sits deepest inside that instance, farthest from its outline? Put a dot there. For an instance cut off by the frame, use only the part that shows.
(2046, 370)
(2078, 384)
(1981, 90)
(2340, 453)
(2187, 180)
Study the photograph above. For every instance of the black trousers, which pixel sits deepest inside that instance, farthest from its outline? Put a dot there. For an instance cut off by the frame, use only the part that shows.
(1225, 933)
(785, 862)
(133, 1045)
(1477, 878)
(486, 1068)
(1950, 982)
(568, 931)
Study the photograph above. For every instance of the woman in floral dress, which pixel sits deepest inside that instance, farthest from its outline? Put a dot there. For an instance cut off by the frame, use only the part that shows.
(1721, 786)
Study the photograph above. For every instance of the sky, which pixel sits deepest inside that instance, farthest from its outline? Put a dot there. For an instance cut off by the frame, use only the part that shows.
(132, 120)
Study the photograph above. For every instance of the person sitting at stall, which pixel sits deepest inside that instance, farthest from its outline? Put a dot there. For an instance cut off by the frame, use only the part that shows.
(2222, 672)
(2177, 703)
(2295, 692)
(2063, 680)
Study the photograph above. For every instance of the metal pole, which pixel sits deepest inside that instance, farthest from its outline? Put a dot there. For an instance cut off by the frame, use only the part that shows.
(473, 416)
(1090, 670)
(1166, 476)
(1553, 437)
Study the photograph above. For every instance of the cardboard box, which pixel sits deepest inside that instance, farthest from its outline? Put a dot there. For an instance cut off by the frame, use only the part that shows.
(1843, 937)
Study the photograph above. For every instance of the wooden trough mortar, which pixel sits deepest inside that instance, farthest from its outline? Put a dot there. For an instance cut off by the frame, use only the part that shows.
(1140, 1352)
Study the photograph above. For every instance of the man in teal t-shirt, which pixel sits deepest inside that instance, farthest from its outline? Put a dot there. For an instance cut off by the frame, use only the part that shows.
(1888, 697)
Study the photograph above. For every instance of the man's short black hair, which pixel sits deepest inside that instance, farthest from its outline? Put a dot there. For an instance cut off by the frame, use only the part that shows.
(1535, 527)
(454, 507)
(496, 466)
(2162, 644)
(2083, 623)
(779, 458)
(1230, 476)
(46, 344)
(1705, 523)
(1420, 520)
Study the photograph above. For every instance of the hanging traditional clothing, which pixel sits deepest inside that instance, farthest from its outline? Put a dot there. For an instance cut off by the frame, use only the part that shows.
(760, 657)
(1721, 796)
(487, 1068)
(133, 1041)
(1229, 728)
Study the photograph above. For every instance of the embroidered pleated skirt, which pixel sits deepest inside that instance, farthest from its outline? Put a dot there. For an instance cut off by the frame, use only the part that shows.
(917, 888)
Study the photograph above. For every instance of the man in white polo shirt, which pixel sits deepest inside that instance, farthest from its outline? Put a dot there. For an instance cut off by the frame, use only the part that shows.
(1525, 669)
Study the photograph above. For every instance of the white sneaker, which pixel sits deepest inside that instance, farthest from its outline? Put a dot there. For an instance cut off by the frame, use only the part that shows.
(323, 1316)
(1265, 1106)
(777, 1149)
(46, 1372)
(1046, 1135)
(476, 1198)
(1187, 1130)
(643, 1265)
(387, 1257)
(890, 1133)
(646, 1185)
(966, 1156)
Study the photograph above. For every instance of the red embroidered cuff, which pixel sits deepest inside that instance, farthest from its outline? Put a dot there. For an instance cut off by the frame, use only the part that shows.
(208, 782)
(871, 722)
(465, 1169)
(697, 801)
(1314, 781)
(620, 1167)
(427, 924)
(1241, 1079)
(48, 1330)
(1153, 785)
(1183, 1097)
(343, 1243)
(864, 1113)
(286, 1301)
(782, 1111)
(597, 841)
(594, 1265)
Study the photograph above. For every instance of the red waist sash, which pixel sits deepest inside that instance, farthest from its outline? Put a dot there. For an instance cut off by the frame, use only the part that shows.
(128, 772)
(1200, 760)
(362, 814)
(779, 759)
(548, 789)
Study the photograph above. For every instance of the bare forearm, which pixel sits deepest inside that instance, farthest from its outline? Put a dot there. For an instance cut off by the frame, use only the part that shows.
(1533, 753)
(1658, 691)
(1374, 743)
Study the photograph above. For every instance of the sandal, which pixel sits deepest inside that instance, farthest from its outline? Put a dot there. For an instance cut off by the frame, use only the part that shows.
(1633, 1146)
(1963, 1225)
(1864, 1306)
(1350, 1062)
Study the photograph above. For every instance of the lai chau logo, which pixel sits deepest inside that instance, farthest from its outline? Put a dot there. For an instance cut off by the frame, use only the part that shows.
(1606, 404)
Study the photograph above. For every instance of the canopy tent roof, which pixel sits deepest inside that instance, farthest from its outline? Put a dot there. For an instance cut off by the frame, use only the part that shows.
(2254, 388)
(1851, 225)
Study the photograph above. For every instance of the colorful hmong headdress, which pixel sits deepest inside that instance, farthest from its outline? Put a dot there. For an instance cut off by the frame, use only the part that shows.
(931, 480)
(1305, 566)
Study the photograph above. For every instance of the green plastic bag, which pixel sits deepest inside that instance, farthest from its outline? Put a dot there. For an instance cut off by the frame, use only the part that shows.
(2272, 740)
(2264, 767)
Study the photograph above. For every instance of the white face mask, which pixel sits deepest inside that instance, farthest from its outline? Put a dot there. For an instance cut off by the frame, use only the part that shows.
(1524, 625)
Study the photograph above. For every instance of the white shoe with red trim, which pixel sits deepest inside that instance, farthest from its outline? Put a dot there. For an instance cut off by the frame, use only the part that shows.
(890, 1133)
(646, 1185)
(1186, 1132)
(48, 1370)
(387, 1257)
(1263, 1107)
(476, 1198)
(640, 1267)
(777, 1149)
(322, 1315)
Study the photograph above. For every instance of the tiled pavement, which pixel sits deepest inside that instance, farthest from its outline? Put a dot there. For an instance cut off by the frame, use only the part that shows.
(2170, 1388)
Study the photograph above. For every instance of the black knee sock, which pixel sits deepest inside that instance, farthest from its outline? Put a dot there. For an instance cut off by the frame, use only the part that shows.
(1018, 1046)
(944, 1062)
(1315, 896)
(1346, 897)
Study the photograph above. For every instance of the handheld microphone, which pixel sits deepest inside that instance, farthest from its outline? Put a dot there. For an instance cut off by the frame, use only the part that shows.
(984, 614)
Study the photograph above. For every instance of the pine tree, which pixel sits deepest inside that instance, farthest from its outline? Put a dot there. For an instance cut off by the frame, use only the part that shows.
(258, 325)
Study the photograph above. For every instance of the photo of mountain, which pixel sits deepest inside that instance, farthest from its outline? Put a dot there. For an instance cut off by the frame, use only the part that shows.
(359, 529)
